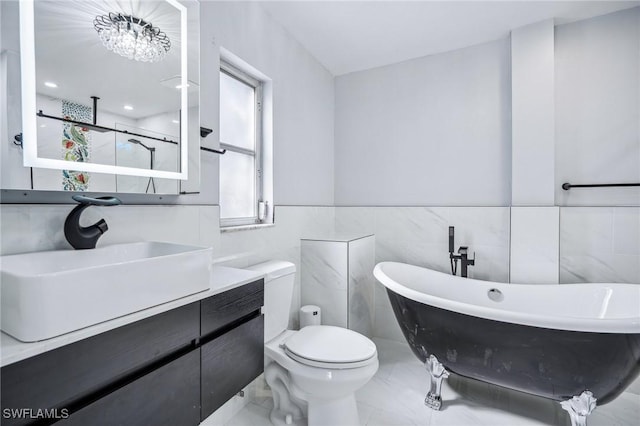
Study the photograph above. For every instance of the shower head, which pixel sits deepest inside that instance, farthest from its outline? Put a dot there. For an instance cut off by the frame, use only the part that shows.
(137, 142)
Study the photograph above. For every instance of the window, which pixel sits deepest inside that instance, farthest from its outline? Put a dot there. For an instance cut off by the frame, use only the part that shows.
(241, 172)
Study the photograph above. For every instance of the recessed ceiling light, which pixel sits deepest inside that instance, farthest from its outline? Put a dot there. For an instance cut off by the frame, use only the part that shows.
(50, 84)
(128, 107)
(175, 121)
(175, 82)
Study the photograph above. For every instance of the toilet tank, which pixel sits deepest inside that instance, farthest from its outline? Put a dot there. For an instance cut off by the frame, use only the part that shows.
(278, 293)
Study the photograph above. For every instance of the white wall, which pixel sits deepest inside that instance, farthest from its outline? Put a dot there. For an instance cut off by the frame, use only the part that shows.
(532, 109)
(600, 244)
(430, 131)
(302, 98)
(598, 108)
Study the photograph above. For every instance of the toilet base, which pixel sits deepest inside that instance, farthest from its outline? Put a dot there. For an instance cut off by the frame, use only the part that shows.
(287, 409)
(332, 412)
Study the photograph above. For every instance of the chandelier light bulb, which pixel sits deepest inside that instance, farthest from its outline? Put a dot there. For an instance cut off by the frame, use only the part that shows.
(132, 37)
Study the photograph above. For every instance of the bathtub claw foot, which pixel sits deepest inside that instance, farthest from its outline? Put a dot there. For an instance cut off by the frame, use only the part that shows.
(579, 407)
(432, 401)
(437, 374)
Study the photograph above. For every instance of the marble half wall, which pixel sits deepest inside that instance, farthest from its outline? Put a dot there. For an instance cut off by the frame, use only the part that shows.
(337, 276)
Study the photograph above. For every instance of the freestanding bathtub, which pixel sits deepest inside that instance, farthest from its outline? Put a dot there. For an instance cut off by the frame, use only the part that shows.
(573, 343)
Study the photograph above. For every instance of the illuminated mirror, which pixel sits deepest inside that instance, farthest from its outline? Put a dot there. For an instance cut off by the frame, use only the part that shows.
(109, 91)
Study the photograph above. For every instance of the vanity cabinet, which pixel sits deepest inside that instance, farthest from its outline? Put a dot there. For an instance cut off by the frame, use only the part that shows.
(86, 370)
(164, 397)
(230, 363)
(232, 354)
(174, 368)
(226, 308)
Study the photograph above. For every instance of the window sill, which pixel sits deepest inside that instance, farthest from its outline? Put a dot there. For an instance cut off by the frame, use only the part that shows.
(246, 227)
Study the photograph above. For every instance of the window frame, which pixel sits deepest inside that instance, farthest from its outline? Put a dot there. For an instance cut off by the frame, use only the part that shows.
(258, 87)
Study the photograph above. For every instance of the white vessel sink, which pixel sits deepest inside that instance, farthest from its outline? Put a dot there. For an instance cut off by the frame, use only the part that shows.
(46, 294)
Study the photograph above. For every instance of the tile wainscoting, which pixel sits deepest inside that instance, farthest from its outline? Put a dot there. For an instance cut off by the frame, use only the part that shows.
(419, 236)
(600, 244)
(596, 243)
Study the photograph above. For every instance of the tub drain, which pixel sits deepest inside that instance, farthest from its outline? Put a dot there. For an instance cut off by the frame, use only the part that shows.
(495, 295)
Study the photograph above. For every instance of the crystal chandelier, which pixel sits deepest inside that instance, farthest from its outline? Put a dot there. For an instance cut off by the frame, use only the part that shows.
(132, 37)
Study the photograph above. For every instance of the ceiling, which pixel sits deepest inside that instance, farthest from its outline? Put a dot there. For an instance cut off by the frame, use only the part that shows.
(347, 36)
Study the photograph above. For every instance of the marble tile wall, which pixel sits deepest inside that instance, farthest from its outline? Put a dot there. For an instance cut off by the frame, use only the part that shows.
(26, 228)
(534, 245)
(600, 244)
(419, 236)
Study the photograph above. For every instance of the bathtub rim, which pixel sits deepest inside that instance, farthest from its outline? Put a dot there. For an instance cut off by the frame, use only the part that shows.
(630, 325)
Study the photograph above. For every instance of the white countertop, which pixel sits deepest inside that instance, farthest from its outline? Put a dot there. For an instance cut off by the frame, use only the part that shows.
(222, 279)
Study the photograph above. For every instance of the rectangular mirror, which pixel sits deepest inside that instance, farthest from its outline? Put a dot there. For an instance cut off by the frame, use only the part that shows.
(109, 94)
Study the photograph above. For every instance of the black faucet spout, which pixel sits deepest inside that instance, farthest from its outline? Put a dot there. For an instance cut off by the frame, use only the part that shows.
(462, 256)
(465, 262)
(81, 237)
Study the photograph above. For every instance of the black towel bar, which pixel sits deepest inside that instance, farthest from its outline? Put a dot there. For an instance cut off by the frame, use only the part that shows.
(567, 186)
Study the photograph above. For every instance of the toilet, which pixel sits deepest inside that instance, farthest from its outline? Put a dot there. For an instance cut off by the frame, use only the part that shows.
(314, 372)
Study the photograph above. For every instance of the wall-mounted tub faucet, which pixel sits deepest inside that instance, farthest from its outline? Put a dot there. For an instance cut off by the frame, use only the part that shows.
(462, 256)
(81, 237)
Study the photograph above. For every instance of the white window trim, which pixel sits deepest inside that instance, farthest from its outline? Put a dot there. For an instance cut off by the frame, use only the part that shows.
(238, 74)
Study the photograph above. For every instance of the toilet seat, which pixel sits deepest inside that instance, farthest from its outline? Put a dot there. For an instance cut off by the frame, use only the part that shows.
(326, 346)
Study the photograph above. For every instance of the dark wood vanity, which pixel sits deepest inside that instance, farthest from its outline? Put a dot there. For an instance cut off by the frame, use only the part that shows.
(174, 368)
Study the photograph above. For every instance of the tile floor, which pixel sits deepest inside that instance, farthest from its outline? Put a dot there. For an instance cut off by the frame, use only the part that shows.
(394, 397)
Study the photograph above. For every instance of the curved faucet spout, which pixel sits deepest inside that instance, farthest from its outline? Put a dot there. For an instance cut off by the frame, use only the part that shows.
(81, 237)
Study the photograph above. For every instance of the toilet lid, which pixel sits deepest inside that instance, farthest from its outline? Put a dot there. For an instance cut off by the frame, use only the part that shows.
(329, 345)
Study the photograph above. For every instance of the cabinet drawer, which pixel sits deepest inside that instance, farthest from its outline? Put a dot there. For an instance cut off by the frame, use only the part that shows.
(230, 362)
(222, 309)
(63, 377)
(168, 396)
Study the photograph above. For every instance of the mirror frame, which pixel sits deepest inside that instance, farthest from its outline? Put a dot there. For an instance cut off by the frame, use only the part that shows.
(29, 108)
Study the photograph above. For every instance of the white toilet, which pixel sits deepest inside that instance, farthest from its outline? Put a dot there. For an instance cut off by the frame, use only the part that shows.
(313, 372)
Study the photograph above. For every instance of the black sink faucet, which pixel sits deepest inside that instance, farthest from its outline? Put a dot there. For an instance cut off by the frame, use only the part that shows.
(462, 256)
(81, 237)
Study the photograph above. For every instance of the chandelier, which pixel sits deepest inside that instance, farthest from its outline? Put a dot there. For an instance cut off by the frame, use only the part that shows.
(132, 37)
